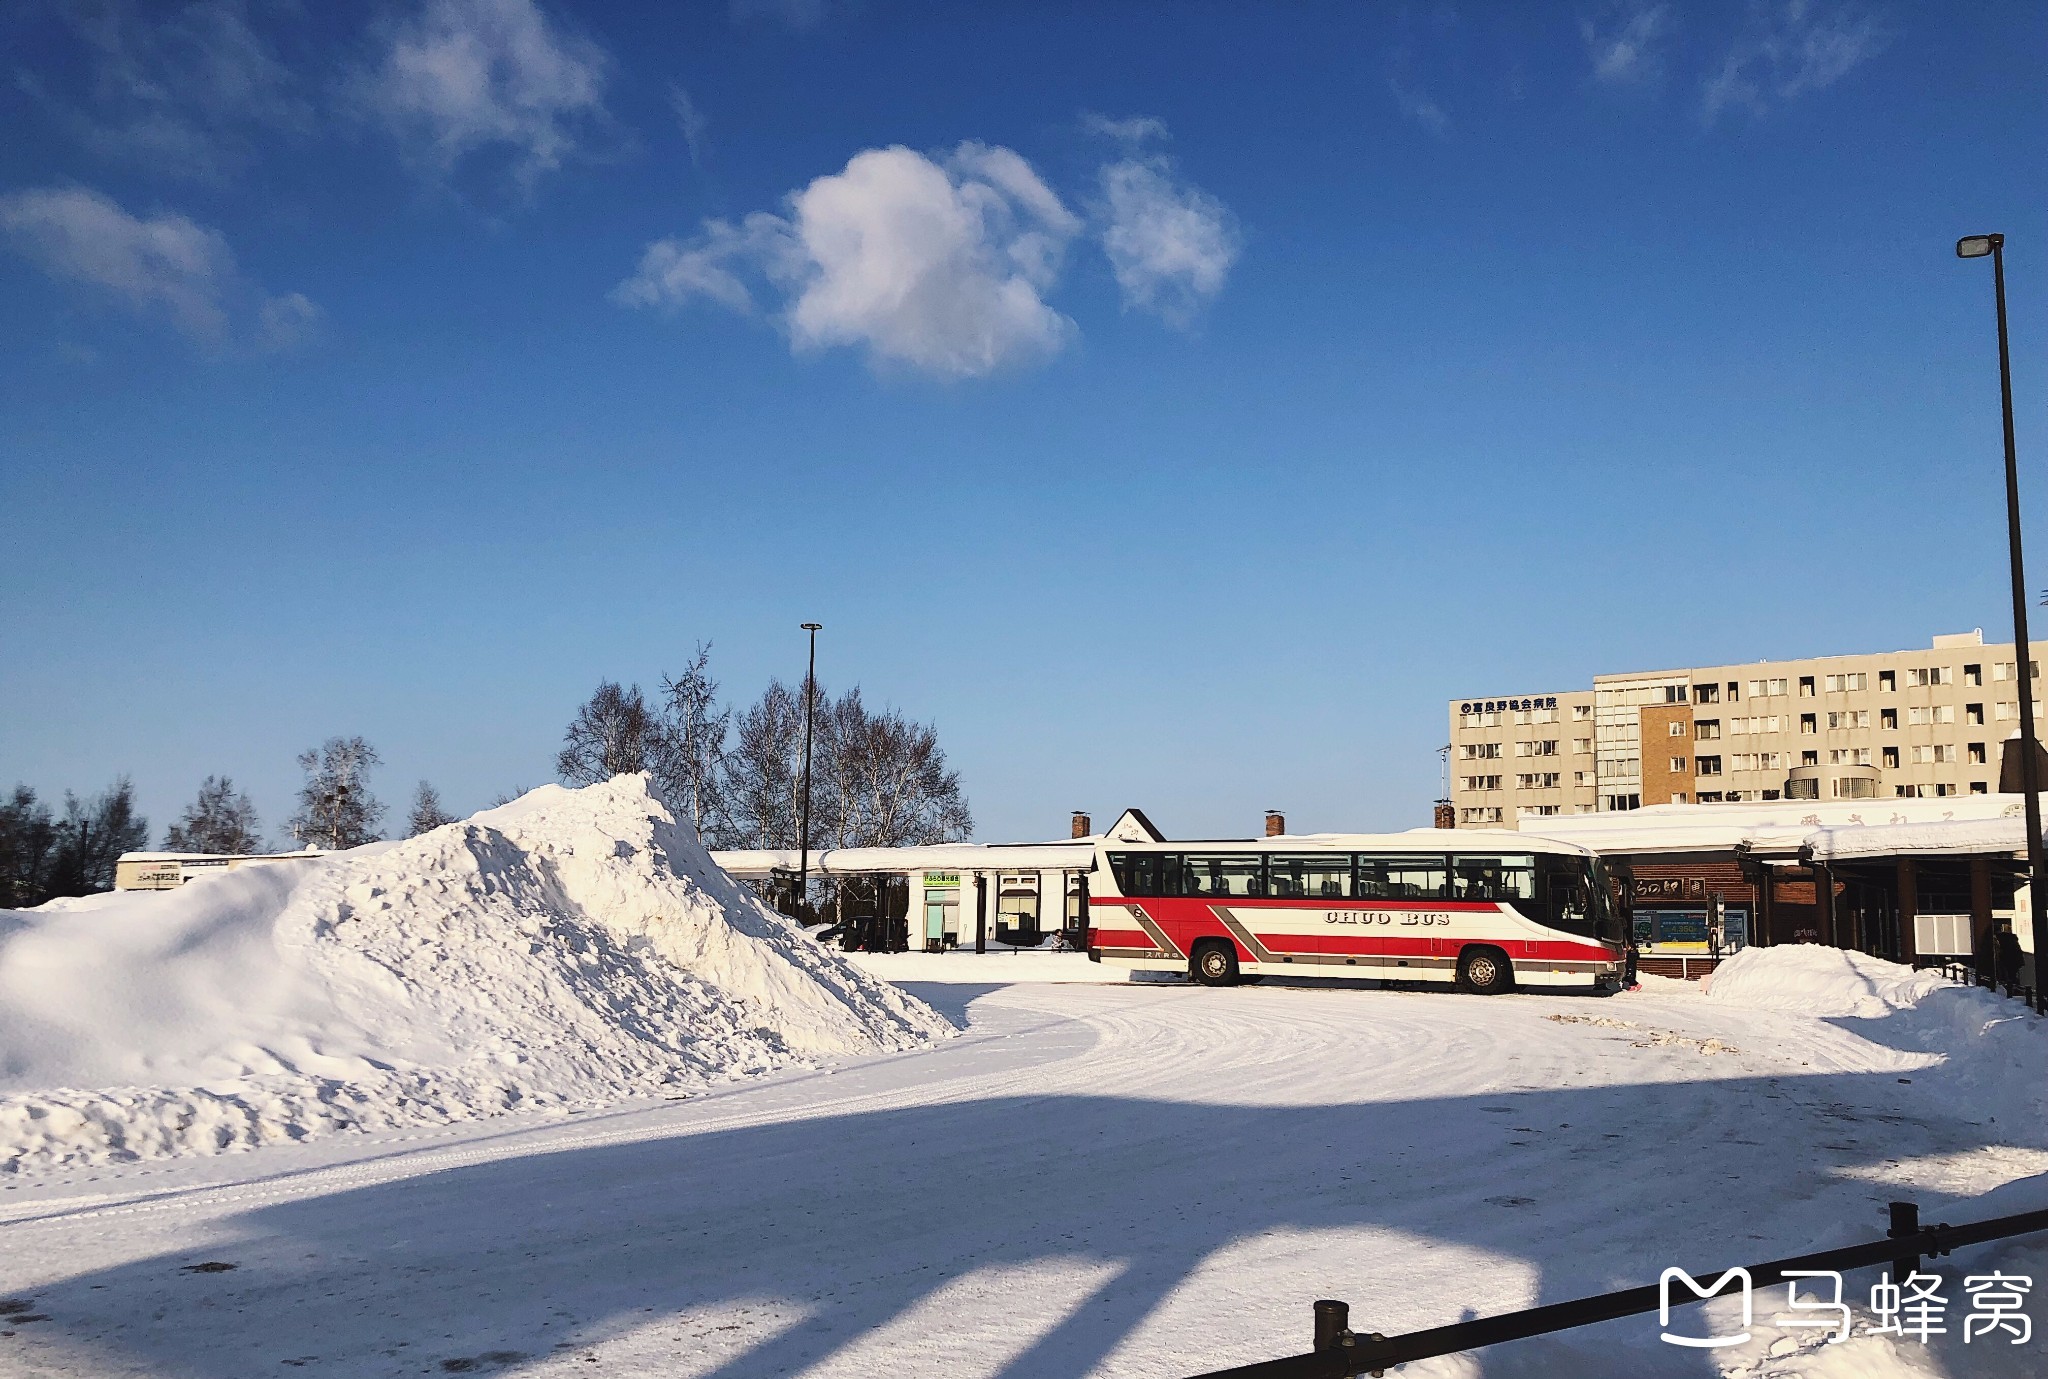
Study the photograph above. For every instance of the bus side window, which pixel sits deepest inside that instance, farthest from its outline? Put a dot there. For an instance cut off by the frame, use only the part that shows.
(1402, 877)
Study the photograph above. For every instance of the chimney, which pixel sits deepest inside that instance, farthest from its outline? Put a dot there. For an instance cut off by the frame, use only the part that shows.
(1276, 823)
(1446, 817)
(1082, 827)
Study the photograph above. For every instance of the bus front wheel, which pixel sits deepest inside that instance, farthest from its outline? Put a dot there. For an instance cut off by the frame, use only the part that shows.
(1486, 971)
(1215, 964)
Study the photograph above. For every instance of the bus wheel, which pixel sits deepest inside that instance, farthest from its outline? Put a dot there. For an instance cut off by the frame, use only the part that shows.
(1486, 971)
(1215, 964)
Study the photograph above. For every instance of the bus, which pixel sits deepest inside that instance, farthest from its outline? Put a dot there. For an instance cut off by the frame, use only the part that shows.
(1485, 911)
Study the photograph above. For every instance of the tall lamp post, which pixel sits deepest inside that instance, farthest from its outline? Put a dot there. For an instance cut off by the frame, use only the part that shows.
(1993, 246)
(803, 870)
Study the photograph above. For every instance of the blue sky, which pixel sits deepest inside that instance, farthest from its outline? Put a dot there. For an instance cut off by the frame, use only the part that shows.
(1177, 404)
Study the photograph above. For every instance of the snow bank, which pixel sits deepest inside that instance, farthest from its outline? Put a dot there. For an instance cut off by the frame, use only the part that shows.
(1816, 980)
(1993, 1047)
(570, 948)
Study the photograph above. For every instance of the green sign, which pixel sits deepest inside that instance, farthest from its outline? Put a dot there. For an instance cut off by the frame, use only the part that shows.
(942, 878)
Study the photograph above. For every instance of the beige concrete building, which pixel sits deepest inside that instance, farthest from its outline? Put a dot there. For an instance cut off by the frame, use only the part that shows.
(1897, 725)
(1521, 756)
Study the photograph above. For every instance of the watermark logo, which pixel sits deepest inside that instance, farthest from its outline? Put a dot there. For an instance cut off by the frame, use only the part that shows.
(1915, 1308)
(1700, 1294)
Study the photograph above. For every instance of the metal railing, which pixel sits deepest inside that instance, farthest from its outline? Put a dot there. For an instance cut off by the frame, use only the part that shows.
(1957, 970)
(1339, 1351)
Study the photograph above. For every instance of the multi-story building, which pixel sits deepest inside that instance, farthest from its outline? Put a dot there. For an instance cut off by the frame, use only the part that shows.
(1904, 724)
(1523, 756)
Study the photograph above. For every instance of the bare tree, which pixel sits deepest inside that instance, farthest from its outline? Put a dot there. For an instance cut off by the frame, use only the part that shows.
(427, 814)
(612, 734)
(690, 764)
(28, 847)
(764, 771)
(336, 808)
(221, 820)
(91, 838)
(891, 787)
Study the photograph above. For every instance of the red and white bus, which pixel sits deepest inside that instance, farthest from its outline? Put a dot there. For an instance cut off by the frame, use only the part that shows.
(1486, 911)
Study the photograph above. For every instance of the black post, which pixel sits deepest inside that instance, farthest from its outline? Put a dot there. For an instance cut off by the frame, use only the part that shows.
(2030, 783)
(981, 912)
(1905, 1222)
(803, 870)
(1333, 1324)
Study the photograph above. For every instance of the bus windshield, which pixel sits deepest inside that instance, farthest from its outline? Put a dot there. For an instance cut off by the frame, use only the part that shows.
(1575, 897)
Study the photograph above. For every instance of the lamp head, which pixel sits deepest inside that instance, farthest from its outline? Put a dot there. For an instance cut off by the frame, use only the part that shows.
(812, 626)
(1978, 246)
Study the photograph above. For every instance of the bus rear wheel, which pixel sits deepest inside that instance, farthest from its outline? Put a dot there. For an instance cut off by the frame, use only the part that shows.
(1215, 964)
(1486, 971)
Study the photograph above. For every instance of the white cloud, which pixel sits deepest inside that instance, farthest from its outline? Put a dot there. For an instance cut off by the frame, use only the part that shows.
(1416, 105)
(287, 322)
(175, 89)
(1625, 50)
(1170, 244)
(1790, 48)
(1133, 132)
(690, 119)
(165, 263)
(937, 264)
(467, 75)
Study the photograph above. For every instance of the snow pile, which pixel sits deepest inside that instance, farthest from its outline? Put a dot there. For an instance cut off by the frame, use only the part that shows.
(1993, 1047)
(568, 949)
(1814, 980)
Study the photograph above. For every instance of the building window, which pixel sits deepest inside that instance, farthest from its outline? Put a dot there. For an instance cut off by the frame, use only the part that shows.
(1707, 766)
(1808, 723)
(1582, 778)
(1917, 716)
(1887, 681)
(1909, 792)
(1678, 797)
(1931, 675)
(1888, 719)
(1848, 718)
(1840, 684)
(1707, 729)
(1734, 691)
(1482, 782)
(1891, 758)
(1945, 788)
(1977, 754)
(1944, 713)
(1582, 744)
(1706, 694)
(1479, 751)
(1809, 758)
(1973, 713)
(1710, 797)
(1582, 713)
(1677, 764)
(1484, 814)
(1482, 718)
(1674, 694)
(1676, 729)
(2003, 711)
(1539, 811)
(1537, 780)
(1849, 756)
(1773, 794)
(1544, 748)
(1978, 787)
(1806, 687)
(1622, 802)
(1973, 675)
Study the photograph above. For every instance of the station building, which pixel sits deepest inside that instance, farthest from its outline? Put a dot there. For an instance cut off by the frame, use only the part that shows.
(1903, 725)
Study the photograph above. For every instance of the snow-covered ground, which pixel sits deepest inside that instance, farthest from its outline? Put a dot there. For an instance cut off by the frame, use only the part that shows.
(1127, 1179)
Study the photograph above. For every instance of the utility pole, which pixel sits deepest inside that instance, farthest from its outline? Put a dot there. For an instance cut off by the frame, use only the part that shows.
(803, 870)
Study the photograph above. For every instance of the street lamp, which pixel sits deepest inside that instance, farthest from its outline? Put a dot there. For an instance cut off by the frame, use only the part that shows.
(803, 871)
(1993, 247)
